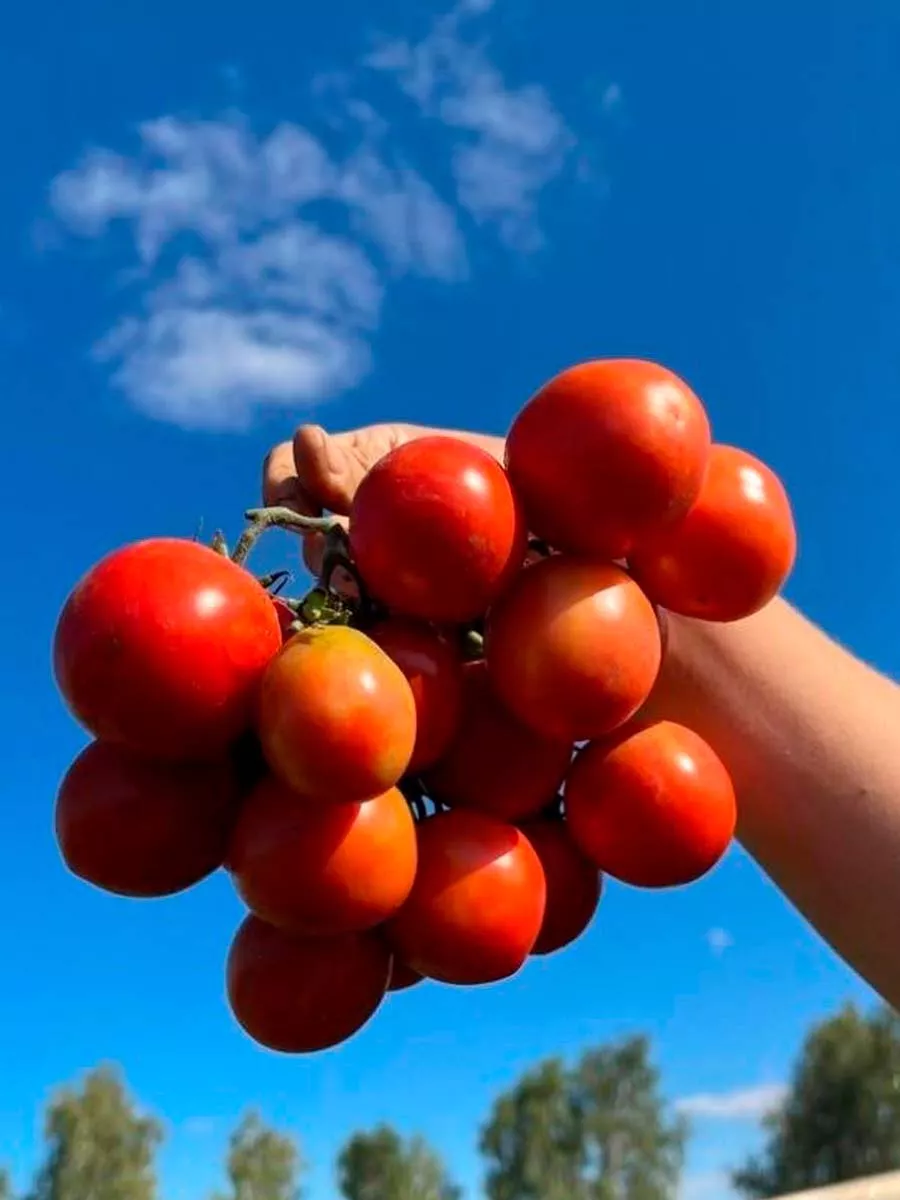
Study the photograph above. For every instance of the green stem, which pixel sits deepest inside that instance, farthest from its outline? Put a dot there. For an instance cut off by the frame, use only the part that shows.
(279, 517)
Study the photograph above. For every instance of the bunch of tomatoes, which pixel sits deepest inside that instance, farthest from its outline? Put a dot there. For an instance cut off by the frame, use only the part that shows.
(425, 770)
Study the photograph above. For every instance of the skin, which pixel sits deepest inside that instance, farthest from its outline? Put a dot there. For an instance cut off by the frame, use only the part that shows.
(807, 731)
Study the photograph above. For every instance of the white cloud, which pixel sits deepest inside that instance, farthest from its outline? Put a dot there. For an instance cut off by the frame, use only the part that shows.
(263, 261)
(719, 940)
(743, 1104)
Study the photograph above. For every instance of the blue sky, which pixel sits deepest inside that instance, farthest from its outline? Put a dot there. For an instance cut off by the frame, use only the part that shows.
(459, 202)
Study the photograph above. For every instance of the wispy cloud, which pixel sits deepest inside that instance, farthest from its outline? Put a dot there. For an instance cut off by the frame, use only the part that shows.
(262, 261)
(743, 1104)
(719, 940)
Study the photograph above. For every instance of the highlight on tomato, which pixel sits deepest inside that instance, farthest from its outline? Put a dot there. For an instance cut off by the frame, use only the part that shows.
(314, 868)
(143, 827)
(607, 453)
(732, 552)
(495, 764)
(574, 884)
(337, 718)
(654, 807)
(161, 648)
(436, 530)
(476, 908)
(573, 648)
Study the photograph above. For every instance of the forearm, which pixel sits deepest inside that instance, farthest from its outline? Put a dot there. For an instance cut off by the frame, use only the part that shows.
(810, 735)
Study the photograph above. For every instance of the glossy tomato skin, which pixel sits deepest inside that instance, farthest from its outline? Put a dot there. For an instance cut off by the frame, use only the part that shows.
(436, 531)
(141, 827)
(322, 868)
(402, 976)
(495, 764)
(574, 885)
(337, 719)
(573, 648)
(654, 807)
(476, 907)
(298, 995)
(732, 552)
(433, 668)
(606, 453)
(161, 648)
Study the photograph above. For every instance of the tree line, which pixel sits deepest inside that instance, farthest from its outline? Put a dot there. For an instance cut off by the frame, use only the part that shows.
(597, 1128)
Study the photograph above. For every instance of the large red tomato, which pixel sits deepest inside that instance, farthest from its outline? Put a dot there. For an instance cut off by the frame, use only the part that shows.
(476, 907)
(161, 647)
(402, 976)
(495, 763)
(732, 552)
(436, 531)
(337, 719)
(141, 827)
(573, 885)
(654, 807)
(606, 453)
(433, 669)
(323, 868)
(298, 995)
(573, 648)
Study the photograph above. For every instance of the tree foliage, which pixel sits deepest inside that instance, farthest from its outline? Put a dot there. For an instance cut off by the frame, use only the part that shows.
(263, 1164)
(596, 1131)
(381, 1165)
(841, 1117)
(5, 1185)
(99, 1147)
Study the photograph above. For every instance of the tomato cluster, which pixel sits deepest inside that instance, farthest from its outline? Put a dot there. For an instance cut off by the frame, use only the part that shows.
(428, 775)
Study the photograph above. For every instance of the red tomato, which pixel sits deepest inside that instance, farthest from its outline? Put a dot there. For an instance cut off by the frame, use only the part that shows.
(286, 617)
(476, 907)
(734, 549)
(161, 647)
(324, 868)
(436, 531)
(654, 807)
(402, 976)
(606, 453)
(298, 995)
(433, 669)
(140, 827)
(573, 648)
(337, 719)
(573, 885)
(495, 763)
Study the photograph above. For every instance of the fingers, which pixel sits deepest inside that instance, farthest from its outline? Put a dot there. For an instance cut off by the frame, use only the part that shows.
(326, 468)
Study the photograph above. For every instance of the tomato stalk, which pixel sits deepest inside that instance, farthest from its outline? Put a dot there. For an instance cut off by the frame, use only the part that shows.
(277, 517)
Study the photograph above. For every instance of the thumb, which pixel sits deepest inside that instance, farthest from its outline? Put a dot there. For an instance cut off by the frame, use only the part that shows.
(326, 470)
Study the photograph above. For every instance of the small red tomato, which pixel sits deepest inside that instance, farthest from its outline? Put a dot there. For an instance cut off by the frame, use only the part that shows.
(495, 763)
(654, 807)
(140, 827)
(286, 618)
(732, 552)
(606, 453)
(337, 719)
(402, 976)
(323, 868)
(436, 531)
(298, 995)
(161, 647)
(573, 885)
(433, 669)
(476, 907)
(573, 648)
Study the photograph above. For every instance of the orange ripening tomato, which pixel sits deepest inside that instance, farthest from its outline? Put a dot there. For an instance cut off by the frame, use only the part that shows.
(322, 868)
(402, 976)
(433, 669)
(337, 719)
(573, 648)
(140, 827)
(476, 907)
(654, 807)
(573, 885)
(161, 648)
(606, 453)
(732, 552)
(436, 531)
(495, 764)
(298, 995)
